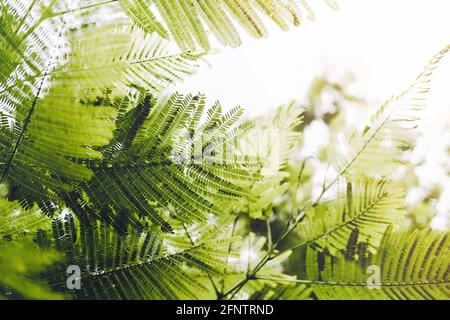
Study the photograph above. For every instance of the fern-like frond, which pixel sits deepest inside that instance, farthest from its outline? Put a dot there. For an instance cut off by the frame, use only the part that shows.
(379, 148)
(164, 161)
(131, 266)
(44, 150)
(190, 22)
(52, 119)
(27, 37)
(118, 57)
(21, 260)
(413, 265)
(362, 215)
(23, 148)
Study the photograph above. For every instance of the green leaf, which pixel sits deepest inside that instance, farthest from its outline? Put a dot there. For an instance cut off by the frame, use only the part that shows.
(57, 115)
(366, 209)
(165, 161)
(413, 265)
(132, 266)
(118, 57)
(190, 22)
(379, 149)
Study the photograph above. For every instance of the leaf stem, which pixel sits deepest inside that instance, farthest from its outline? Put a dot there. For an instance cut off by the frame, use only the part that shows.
(269, 255)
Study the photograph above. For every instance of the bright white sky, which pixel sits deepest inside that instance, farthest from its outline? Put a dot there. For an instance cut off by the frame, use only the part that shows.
(384, 43)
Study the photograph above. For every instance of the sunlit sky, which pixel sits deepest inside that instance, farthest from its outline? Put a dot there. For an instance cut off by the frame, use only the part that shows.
(384, 43)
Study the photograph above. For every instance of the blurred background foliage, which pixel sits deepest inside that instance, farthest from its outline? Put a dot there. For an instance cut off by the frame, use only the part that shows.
(330, 110)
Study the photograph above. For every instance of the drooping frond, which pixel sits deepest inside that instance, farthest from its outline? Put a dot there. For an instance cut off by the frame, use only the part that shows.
(26, 39)
(166, 160)
(379, 148)
(190, 22)
(411, 265)
(359, 218)
(131, 266)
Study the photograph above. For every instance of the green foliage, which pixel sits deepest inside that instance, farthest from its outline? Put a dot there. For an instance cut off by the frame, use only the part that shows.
(18, 224)
(413, 266)
(119, 56)
(131, 266)
(20, 265)
(22, 262)
(186, 21)
(154, 195)
(361, 215)
(272, 141)
(152, 168)
(52, 120)
(378, 150)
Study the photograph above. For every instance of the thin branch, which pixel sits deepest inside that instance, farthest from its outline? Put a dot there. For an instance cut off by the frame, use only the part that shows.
(362, 213)
(292, 224)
